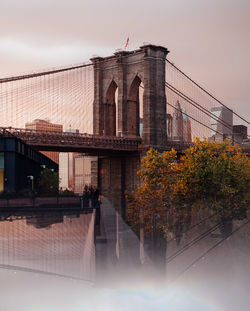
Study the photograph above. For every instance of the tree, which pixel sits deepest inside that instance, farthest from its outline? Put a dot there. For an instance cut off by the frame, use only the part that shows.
(213, 175)
(216, 174)
(48, 182)
(151, 204)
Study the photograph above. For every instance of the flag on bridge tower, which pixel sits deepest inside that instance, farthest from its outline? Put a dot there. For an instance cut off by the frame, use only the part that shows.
(126, 45)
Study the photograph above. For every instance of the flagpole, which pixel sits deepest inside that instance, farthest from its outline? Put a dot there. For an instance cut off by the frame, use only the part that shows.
(127, 44)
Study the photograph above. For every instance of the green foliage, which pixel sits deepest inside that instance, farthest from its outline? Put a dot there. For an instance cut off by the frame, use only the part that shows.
(48, 182)
(217, 173)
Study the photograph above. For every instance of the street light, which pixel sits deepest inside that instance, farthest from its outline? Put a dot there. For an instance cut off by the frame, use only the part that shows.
(31, 177)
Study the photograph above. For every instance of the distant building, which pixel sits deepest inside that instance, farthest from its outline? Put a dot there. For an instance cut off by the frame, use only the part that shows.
(66, 166)
(187, 135)
(239, 133)
(140, 126)
(43, 125)
(46, 125)
(177, 128)
(77, 170)
(86, 172)
(169, 125)
(82, 175)
(222, 122)
(64, 170)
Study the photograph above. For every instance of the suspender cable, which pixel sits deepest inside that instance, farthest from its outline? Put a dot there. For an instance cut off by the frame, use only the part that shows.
(209, 94)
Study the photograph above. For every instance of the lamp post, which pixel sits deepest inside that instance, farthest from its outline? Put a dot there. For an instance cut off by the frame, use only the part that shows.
(31, 177)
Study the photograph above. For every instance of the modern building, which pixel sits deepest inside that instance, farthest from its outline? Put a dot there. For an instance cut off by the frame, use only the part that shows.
(239, 133)
(17, 162)
(77, 170)
(169, 125)
(66, 167)
(85, 168)
(44, 126)
(221, 124)
(177, 128)
(187, 135)
(222, 121)
(64, 170)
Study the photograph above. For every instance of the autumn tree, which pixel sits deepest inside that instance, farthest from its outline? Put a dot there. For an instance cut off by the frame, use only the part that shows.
(212, 175)
(151, 204)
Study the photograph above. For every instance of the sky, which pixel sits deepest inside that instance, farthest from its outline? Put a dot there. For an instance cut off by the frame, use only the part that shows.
(207, 39)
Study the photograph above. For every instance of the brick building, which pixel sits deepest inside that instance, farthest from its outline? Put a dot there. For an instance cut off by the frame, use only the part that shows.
(44, 126)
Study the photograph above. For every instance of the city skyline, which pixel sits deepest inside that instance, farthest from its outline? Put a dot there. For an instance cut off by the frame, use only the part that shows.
(40, 39)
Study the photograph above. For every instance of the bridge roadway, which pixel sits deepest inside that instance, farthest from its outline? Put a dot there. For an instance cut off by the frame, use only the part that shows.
(88, 143)
(82, 142)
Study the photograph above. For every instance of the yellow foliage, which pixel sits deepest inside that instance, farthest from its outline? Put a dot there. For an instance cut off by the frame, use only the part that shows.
(218, 173)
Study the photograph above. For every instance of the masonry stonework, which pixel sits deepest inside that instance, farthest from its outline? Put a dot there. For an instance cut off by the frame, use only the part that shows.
(124, 72)
(117, 80)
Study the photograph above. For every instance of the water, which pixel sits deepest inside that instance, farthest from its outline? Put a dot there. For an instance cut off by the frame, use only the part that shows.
(60, 244)
(59, 260)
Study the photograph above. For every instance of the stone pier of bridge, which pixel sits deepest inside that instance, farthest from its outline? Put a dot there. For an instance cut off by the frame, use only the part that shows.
(117, 174)
(116, 112)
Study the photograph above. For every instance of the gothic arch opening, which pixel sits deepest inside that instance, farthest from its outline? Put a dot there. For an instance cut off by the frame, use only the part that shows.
(110, 110)
(135, 108)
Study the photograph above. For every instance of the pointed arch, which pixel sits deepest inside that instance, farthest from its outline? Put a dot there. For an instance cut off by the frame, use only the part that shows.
(133, 108)
(110, 110)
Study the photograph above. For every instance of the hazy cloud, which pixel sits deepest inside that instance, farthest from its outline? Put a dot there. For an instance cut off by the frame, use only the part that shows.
(209, 39)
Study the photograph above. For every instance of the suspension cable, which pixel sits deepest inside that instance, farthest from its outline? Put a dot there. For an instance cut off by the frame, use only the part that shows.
(44, 73)
(209, 94)
(196, 120)
(210, 249)
(192, 118)
(195, 104)
(199, 107)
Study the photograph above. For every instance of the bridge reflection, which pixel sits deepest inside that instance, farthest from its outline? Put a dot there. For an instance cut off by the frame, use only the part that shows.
(59, 243)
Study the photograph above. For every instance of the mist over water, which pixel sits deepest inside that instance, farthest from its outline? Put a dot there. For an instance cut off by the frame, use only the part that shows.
(64, 262)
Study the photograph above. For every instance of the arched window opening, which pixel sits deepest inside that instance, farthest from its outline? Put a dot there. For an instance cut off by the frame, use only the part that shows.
(135, 108)
(141, 93)
(110, 114)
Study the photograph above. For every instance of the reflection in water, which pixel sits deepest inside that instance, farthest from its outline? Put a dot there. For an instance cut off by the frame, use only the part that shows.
(50, 243)
(203, 266)
(207, 238)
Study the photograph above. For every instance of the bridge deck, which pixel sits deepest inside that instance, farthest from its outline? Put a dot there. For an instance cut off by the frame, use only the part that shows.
(73, 142)
(87, 143)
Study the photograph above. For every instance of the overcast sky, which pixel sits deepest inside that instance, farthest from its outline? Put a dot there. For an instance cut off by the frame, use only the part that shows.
(208, 39)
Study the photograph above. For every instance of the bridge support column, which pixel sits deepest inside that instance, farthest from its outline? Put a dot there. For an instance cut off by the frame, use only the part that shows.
(126, 71)
(117, 174)
(154, 98)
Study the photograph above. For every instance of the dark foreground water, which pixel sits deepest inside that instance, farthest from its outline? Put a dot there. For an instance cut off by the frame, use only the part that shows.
(59, 260)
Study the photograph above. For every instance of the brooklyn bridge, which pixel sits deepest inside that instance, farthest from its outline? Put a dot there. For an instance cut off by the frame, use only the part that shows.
(116, 108)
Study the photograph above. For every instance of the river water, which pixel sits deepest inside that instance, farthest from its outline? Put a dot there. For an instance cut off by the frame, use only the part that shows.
(60, 260)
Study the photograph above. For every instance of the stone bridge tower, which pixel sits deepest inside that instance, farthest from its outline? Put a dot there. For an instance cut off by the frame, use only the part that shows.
(117, 80)
(126, 72)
